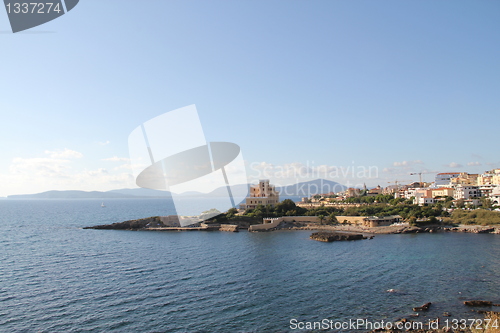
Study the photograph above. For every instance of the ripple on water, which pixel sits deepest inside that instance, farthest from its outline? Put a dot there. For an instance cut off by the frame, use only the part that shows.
(70, 279)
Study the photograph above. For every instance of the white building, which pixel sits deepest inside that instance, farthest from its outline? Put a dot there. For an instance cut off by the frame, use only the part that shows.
(421, 200)
(466, 192)
(444, 178)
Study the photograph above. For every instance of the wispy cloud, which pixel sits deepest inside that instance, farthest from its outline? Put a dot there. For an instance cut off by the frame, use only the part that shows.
(476, 156)
(116, 159)
(407, 163)
(454, 165)
(65, 153)
(103, 143)
(59, 170)
(474, 164)
(40, 167)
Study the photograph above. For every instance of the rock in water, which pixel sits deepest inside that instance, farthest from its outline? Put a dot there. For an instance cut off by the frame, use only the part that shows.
(424, 307)
(324, 236)
(478, 303)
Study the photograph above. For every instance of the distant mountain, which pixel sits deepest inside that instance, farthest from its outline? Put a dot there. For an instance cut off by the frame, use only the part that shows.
(72, 195)
(142, 192)
(222, 191)
(303, 189)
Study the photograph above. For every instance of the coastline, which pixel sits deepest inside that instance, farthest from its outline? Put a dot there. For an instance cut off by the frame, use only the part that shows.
(155, 224)
(398, 229)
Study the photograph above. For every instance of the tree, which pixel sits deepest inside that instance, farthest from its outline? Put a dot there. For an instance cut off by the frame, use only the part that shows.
(321, 218)
(412, 220)
(231, 213)
(486, 203)
(333, 219)
(433, 220)
(460, 203)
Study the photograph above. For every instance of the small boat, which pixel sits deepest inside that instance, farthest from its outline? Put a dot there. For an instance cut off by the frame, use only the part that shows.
(102, 205)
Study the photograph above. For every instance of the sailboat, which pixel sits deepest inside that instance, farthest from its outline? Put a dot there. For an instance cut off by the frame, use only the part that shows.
(102, 205)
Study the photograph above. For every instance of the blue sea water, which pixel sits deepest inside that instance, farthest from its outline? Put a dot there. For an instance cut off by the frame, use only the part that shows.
(57, 277)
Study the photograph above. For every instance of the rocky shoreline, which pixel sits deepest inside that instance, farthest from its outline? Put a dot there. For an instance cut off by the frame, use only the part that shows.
(155, 223)
(324, 236)
(443, 325)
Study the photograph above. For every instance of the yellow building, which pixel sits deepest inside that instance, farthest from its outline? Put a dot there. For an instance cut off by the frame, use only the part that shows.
(442, 192)
(495, 180)
(465, 179)
(491, 177)
(261, 194)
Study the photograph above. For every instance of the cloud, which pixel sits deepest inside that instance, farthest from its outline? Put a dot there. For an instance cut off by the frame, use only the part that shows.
(66, 153)
(60, 171)
(407, 163)
(40, 167)
(479, 157)
(454, 165)
(103, 143)
(117, 159)
(128, 166)
(473, 164)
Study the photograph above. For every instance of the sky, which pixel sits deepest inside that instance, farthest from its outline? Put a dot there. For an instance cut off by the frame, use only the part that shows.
(352, 91)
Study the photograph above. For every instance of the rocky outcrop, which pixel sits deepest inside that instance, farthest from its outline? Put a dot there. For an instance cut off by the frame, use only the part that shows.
(478, 303)
(229, 227)
(475, 229)
(324, 236)
(149, 222)
(424, 307)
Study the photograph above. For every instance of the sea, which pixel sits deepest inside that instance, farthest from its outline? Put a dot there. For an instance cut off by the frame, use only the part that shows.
(56, 276)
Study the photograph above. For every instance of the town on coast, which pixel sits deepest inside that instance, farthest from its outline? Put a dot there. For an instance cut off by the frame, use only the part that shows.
(453, 202)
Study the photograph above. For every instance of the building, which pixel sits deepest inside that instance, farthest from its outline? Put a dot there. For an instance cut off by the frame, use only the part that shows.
(352, 192)
(444, 178)
(442, 192)
(495, 196)
(381, 221)
(491, 177)
(375, 191)
(486, 190)
(261, 194)
(465, 178)
(466, 192)
(424, 200)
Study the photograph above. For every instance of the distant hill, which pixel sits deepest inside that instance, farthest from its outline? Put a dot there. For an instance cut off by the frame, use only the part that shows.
(303, 189)
(222, 191)
(71, 194)
(141, 192)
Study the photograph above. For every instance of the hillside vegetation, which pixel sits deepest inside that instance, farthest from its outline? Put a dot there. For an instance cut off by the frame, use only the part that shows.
(477, 216)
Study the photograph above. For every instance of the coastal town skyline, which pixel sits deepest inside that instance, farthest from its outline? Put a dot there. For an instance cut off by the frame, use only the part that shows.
(250, 166)
(397, 87)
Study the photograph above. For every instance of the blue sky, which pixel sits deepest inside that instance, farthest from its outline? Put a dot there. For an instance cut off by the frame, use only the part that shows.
(401, 86)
